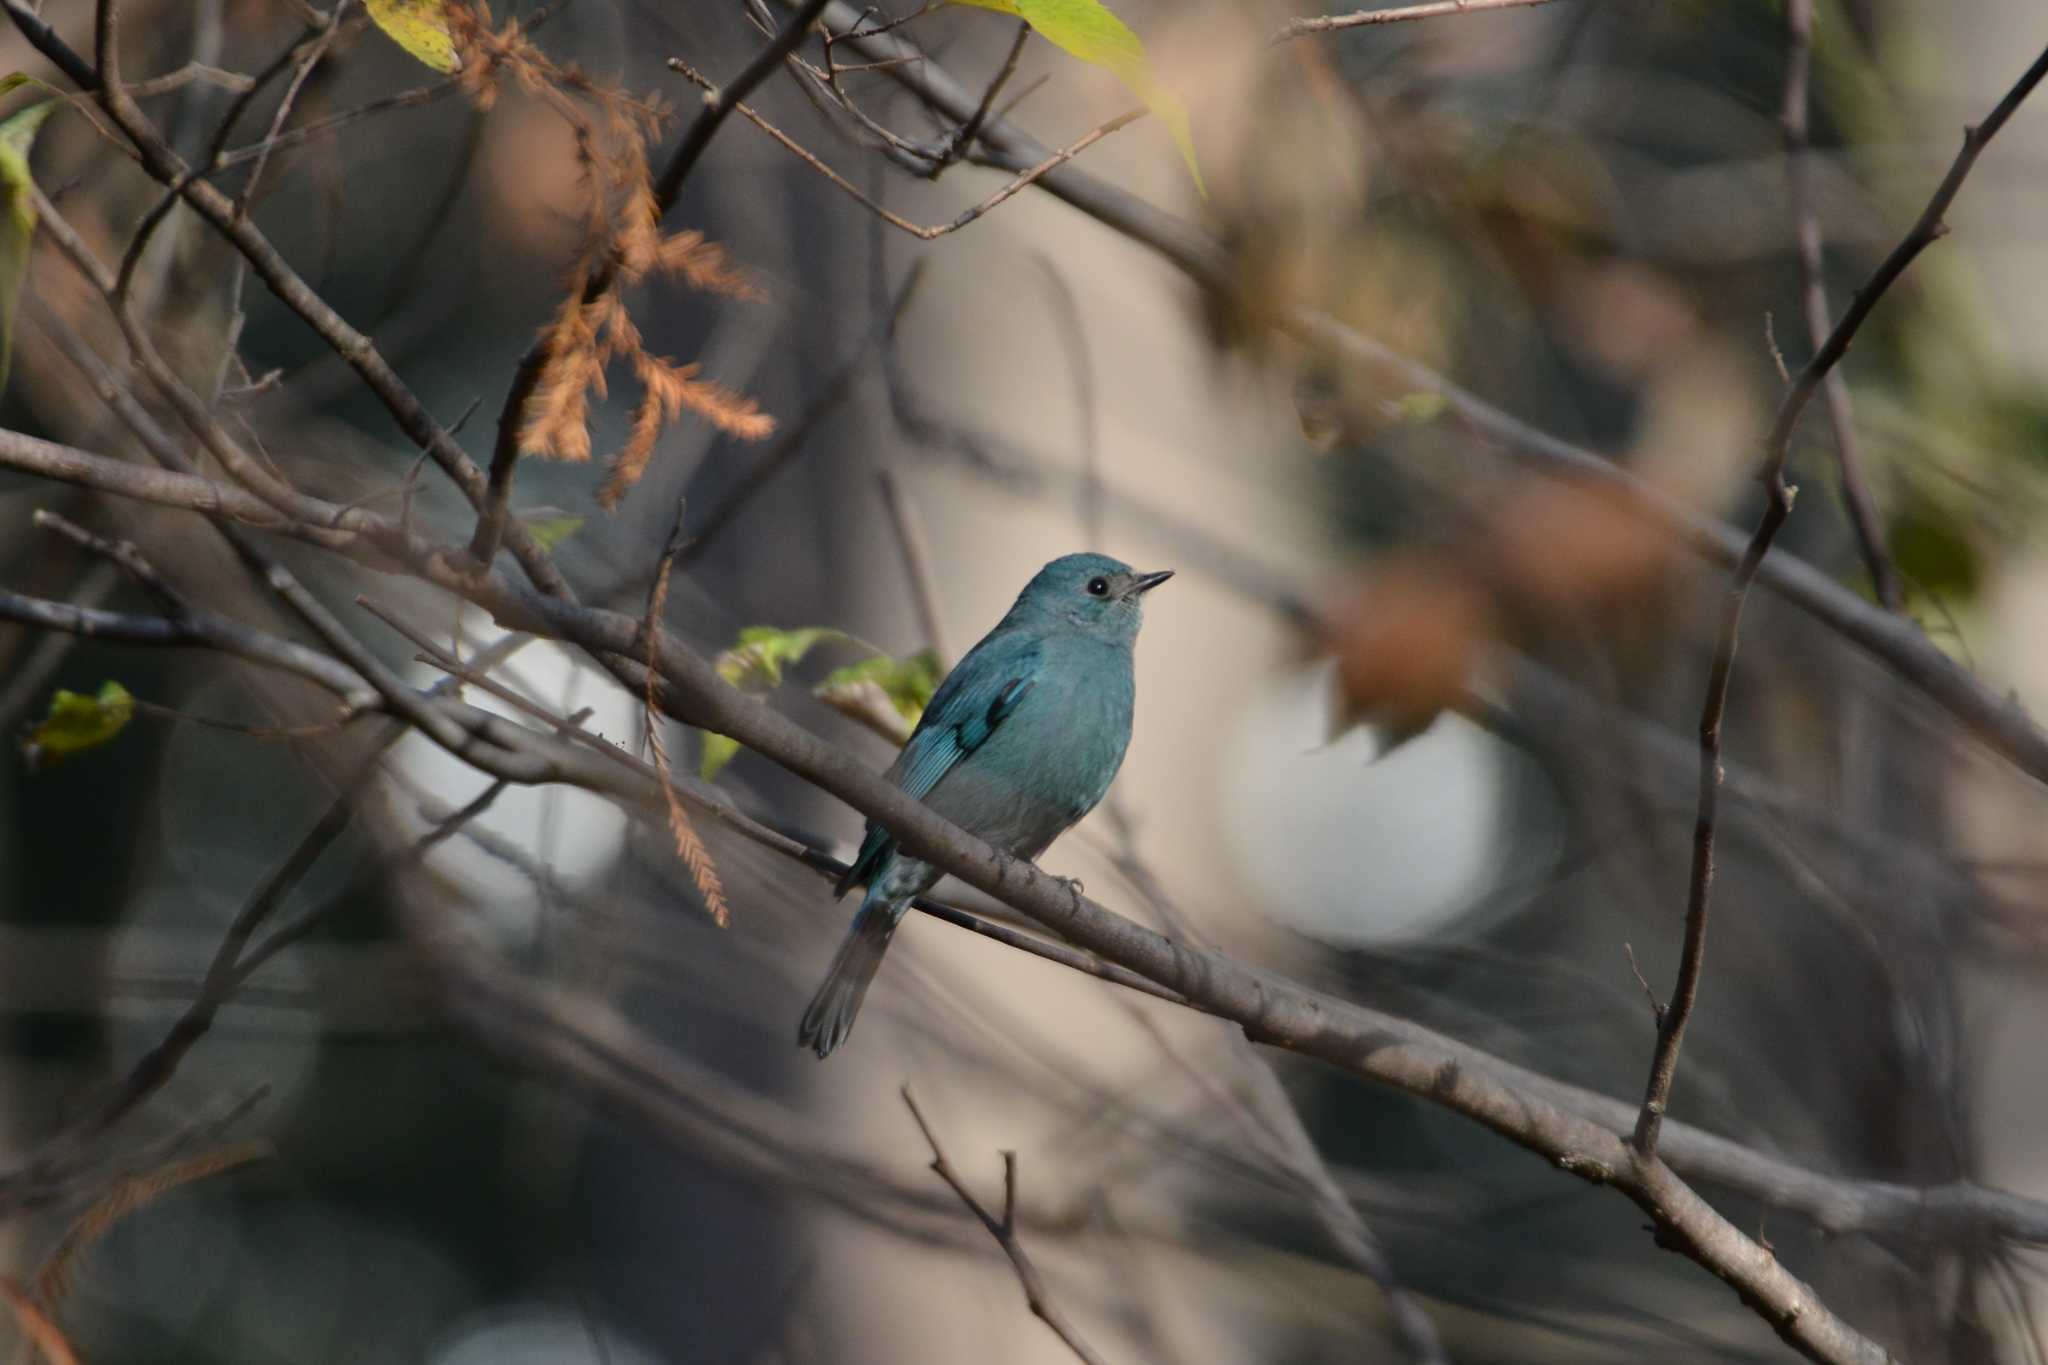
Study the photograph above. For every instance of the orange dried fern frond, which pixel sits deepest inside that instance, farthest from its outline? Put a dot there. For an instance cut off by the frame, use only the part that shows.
(37, 1326)
(689, 847)
(703, 264)
(732, 412)
(623, 244)
(121, 1198)
(667, 391)
(557, 415)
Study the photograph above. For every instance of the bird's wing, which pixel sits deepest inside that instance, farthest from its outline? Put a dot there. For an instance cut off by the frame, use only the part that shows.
(976, 697)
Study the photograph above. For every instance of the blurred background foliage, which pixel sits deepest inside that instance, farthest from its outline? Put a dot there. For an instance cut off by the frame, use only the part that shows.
(1577, 211)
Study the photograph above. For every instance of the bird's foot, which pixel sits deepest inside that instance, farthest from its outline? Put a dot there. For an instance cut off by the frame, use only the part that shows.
(1074, 888)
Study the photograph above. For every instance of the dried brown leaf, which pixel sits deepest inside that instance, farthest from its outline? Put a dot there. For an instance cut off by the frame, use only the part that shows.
(1407, 638)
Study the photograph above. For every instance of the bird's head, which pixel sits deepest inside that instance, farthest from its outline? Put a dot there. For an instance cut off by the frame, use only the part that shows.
(1095, 593)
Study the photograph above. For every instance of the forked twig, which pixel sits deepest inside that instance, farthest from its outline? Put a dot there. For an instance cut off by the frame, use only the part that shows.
(1004, 1230)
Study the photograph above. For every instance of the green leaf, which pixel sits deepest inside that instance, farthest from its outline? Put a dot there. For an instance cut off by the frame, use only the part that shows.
(718, 751)
(17, 212)
(421, 28)
(1088, 30)
(75, 723)
(1936, 554)
(756, 662)
(550, 531)
(1421, 408)
(908, 682)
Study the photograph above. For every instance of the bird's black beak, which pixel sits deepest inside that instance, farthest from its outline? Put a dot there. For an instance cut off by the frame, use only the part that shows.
(1145, 582)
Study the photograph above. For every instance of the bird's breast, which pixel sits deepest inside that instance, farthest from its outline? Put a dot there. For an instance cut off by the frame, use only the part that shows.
(1044, 768)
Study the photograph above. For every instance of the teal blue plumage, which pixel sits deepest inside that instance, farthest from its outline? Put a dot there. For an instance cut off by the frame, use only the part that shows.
(1021, 740)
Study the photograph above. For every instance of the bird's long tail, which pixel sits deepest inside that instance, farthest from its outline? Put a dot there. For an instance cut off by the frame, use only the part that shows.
(829, 1018)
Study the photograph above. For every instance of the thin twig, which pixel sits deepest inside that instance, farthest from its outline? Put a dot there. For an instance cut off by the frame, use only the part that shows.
(1436, 9)
(197, 628)
(917, 565)
(191, 73)
(306, 132)
(1656, 1005)
(1021, 181)
(123, 553)
(1856, 498)
(960, 139)
(1928, 229)
(1004, 1230)
(283, 112)
(314, 45)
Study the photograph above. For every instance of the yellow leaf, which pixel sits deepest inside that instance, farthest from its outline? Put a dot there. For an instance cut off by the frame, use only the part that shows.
(552, 528)
(76, 722)
(17, 211)
(757, 661)
(1088, 30)
(907, 683)
(420, 27)
(719, 750)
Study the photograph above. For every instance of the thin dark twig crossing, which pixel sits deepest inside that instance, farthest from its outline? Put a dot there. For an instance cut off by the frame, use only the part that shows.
(1928, 229)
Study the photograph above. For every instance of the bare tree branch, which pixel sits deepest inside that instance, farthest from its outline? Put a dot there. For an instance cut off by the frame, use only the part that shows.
(196, 628)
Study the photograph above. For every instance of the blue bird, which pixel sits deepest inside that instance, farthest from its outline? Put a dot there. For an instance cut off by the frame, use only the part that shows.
(1019, 742)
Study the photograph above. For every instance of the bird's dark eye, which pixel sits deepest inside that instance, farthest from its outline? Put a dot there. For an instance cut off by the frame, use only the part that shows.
(1098, 587)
